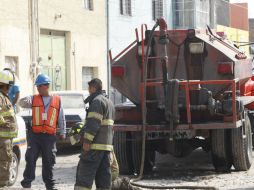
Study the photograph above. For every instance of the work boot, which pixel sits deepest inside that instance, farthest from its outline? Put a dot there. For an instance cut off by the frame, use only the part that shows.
(25, 184)
(51, 188)
(3, 184)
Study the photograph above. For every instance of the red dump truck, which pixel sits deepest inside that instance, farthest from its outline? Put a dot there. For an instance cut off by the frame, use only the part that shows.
(188, 89)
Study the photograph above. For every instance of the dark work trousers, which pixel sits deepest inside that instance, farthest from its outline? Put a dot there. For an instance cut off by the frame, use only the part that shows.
(94, 165)
(45, 145)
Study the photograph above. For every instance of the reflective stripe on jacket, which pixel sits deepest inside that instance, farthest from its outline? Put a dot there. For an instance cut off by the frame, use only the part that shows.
(49, 125)
(8, 124)
(99, 123)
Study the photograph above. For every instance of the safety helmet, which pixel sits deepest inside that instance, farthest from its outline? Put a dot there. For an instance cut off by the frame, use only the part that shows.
(42, 79)
(6, 77)
(75, 133)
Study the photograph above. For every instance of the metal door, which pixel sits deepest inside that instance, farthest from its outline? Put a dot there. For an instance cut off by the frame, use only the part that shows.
(52, 52)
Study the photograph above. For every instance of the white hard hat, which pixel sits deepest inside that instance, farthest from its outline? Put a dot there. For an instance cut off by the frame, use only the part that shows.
(6, 77)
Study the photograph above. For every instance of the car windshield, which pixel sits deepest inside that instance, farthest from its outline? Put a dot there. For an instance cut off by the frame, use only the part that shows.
(72, 101)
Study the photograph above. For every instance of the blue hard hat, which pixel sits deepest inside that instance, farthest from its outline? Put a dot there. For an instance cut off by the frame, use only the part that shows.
(42, 79)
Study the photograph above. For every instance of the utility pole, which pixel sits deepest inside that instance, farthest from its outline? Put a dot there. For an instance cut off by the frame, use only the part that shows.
(108, 61)
(34, 38)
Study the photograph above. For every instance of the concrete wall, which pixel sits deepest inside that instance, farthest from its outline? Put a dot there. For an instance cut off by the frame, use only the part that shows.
(85, 35)
(14, 39)
(239, 16)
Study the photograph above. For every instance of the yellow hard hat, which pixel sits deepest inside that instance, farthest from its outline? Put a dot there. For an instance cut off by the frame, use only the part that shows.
(6, 77)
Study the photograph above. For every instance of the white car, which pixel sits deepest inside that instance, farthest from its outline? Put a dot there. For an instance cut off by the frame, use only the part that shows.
(19, 149)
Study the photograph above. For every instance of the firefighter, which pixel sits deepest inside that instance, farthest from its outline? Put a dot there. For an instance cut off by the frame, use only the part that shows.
(47, 114)
(8, 127)
(94, 163)
(75, 135)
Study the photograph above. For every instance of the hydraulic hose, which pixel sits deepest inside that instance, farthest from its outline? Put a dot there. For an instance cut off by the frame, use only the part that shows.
(176, 187)
(132, 182)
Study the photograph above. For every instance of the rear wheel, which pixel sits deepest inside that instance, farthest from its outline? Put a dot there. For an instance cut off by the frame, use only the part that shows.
(251, 117)
(220, 148)
(122, 148)
(241, 140)
(137, 154)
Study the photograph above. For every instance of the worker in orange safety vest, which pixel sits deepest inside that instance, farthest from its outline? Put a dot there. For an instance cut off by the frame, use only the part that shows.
(47, 114)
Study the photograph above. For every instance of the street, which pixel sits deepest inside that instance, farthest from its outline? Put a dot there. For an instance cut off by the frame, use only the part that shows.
(194, 170)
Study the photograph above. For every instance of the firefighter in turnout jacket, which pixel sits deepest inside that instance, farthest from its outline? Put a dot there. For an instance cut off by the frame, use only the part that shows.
(8, 127)
(94, 163)
(75, 134)
(47, 114)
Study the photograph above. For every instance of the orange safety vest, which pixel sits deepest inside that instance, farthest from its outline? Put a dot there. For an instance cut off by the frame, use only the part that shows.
(50, 124)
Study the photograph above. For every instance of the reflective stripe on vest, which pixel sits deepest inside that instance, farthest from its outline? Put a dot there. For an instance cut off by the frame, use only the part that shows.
(49, 125)
(102, 147)
(53, 117)
(107, 122)
(37, 115)
(8, 134)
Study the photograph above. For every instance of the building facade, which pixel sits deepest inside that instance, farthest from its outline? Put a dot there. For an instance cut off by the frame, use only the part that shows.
(15, 40)
(71, 41)
(126, 15)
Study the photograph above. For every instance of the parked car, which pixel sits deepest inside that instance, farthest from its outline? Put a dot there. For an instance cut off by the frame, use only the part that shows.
(74, 110)
(19, 149)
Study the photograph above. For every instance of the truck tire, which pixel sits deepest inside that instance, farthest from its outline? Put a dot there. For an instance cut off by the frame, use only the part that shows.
(241, 140)
(251, 116)
(137, 154)
(220, 149)
(122, 148)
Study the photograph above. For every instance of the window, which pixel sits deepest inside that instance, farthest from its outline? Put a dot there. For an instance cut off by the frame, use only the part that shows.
(157, 6)
(252, 50)
(88, 4)
(88, 73)
(125, 7)
(191, 13)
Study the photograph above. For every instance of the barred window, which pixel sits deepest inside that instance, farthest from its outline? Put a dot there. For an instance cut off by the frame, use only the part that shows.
(125, 7)
(157, 9)
(88, 4)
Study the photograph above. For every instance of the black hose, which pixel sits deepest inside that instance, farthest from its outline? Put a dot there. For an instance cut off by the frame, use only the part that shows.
(141, 171)
(176, 187)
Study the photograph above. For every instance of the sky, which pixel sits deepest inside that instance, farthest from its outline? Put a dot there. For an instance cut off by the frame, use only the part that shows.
(251, 6)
